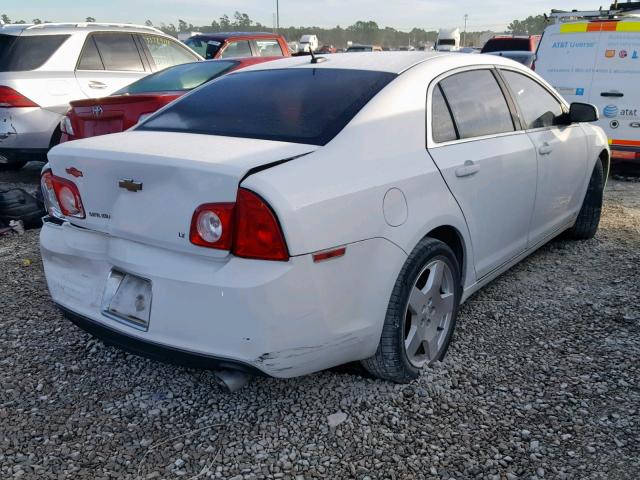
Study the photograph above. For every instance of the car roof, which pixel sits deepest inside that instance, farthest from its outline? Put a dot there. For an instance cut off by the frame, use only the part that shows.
(73, 27)
(225, 35)
(391, 62)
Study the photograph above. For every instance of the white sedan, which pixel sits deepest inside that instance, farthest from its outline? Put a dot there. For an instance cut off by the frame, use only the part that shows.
(295, 215)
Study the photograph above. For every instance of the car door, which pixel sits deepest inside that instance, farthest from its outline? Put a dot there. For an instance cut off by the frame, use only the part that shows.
(108, 62)
(487, 162)
(561, 150)
(267, 47)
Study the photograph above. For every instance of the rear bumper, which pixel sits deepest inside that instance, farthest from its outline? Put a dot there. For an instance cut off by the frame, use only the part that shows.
(26, 130)
(154, 351)
(282, 319)
(623, 153)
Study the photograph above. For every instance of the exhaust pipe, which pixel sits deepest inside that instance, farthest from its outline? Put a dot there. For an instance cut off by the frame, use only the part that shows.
(231, 380)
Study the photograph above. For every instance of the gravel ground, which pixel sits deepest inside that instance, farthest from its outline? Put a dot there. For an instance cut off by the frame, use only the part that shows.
(541, 381)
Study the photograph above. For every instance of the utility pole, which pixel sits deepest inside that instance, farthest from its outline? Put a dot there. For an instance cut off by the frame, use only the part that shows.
(277, 15)
(464, 37)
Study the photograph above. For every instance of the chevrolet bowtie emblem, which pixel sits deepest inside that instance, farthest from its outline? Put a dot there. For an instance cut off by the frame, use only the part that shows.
(131, 185)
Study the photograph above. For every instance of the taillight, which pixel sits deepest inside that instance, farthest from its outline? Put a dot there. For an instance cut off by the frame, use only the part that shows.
(61, 196)
(212, 226)
(66, 126)
(9, 98)
(257, 232)
(248, 228)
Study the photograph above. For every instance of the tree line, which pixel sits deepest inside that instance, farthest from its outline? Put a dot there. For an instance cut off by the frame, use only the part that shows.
(360, 32)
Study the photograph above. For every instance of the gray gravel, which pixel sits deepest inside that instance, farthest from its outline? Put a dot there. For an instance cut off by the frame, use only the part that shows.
(542, 381)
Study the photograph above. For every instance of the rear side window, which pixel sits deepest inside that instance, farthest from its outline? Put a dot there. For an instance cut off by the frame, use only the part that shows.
(118, 52)
(20, 54)
(165, 52)
(90, 58)
(241, 48)
(288, 105)
(477, 103)
(539, 108)
(507, 45)
(180, 77)
(268, 48)
(441, 123)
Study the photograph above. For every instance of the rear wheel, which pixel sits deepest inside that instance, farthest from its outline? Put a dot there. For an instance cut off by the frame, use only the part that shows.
(588, 219)
(421, 315)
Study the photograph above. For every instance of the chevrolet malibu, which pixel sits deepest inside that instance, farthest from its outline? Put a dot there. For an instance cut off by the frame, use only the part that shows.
(254, 226)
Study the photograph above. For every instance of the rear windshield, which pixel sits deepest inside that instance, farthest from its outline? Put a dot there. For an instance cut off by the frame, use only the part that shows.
(447, 41)
(507, 44)
(359, 49)
(301, 105)
(179, 78)
(19, 54)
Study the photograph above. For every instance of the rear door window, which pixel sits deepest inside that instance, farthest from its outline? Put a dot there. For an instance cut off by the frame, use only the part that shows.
(268, 48)
(477, 103)
(241, 48)
(539, 108)
(288, 105)
(28, 52)
(90, 58)
(165, 52)
(118, 52)
(442, 125)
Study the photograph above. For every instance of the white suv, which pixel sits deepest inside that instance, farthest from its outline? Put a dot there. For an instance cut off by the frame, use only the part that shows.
(44, 67)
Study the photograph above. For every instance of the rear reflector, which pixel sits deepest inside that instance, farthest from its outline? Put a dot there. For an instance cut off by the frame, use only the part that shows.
(329, 254)
(9, 98)
(623, 155)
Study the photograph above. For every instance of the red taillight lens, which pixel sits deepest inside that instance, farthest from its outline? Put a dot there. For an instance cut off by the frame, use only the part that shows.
(257, 232)
(212, 226)
(9, 98)
(248, 228)
(61, 196)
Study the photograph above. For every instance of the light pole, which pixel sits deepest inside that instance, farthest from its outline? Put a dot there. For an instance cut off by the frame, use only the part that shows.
(464, 37)
(277, 15)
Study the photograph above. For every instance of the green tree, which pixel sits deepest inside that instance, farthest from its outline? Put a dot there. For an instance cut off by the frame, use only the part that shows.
(5, 18)
(90, 19)
(149, 23)
(225, 23)
(36, 21)
(529, 26)
(183, 26)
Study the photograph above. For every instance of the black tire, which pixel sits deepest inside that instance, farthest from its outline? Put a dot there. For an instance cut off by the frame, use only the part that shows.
(12, 166)
(390, 361)
(588, 219)
(17, 204)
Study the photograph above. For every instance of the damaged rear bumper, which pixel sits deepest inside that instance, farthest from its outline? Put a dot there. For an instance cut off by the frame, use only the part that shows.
(284, 319)
(26, 133)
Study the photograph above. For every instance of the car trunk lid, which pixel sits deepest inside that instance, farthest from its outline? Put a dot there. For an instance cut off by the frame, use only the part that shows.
(145, 186)
(101, 116)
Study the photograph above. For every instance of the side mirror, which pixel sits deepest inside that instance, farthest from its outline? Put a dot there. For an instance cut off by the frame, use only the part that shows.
(583, 113)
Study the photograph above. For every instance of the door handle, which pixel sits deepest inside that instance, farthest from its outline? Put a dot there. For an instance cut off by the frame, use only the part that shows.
(545, 149)
(612, 94)
(469, 168)
(97, 85)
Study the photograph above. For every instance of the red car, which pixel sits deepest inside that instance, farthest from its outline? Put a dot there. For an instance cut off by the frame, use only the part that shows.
(126, 107)
(512, 43)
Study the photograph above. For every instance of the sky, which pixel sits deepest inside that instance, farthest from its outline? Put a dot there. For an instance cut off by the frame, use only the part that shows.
(399, 14)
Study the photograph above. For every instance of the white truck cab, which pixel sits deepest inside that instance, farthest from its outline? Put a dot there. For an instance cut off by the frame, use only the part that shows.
(308, 43)
(597, 60)
(448, 40)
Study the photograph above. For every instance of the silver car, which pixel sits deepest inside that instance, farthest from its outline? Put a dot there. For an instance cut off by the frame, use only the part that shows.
(44, 67)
